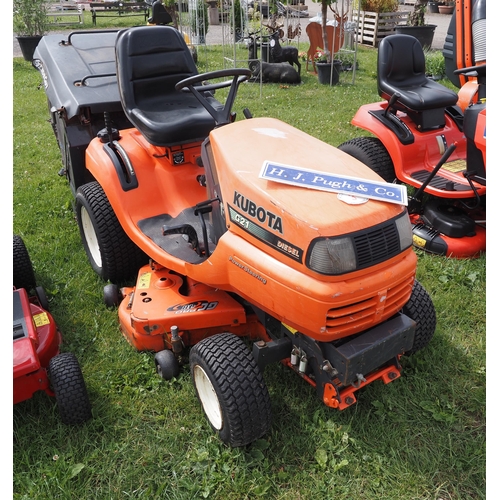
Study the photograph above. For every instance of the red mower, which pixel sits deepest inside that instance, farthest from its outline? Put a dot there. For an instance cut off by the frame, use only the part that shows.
(432, 139)
(38, 363)
(254, 242)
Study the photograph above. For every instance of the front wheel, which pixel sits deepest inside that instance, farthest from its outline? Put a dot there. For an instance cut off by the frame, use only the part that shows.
(112, 254)
(69, 387)
(371, 152)
(421, 310)
(231, 389)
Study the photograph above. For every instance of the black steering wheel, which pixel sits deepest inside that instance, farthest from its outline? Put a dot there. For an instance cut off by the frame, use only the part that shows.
(221, 116)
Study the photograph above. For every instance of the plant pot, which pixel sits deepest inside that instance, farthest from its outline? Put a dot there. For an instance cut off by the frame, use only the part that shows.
(446, 9)
(424, 34)
(432, 7)
(328, 73)
(28, 44)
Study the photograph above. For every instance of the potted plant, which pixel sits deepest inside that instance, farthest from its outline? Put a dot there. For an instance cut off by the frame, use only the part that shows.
(328, 69)
(447, 7)
(416, 25)
(30, 24)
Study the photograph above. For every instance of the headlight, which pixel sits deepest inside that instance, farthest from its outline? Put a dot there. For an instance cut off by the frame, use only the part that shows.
(350, 252)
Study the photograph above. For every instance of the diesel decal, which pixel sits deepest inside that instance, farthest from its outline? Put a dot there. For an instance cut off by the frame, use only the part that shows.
(260, 213)
(266, 236)
(191, 307)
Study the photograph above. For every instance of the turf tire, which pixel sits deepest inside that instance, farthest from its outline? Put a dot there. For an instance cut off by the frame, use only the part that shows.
(69, 388)
(421, 310)
(371, 152)
(112, 254)
(231, 389)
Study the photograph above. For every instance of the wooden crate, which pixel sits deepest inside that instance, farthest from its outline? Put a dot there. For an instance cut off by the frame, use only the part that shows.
(372, 26)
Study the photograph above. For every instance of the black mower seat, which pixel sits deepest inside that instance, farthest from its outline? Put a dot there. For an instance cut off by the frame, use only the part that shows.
(150, 60)
(401, 69)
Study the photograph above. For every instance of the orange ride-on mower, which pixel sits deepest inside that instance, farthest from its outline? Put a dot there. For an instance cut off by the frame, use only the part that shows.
(257, 234)
(38, 363)
(428, 137)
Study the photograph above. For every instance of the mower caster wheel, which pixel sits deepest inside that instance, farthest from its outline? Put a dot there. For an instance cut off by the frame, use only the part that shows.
(231, 389)
(67, 382)
(112, 295)
(167, 365)
(24, 276)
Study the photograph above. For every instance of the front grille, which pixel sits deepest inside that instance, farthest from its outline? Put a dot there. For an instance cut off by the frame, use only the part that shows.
(357, 317)
(376, 245)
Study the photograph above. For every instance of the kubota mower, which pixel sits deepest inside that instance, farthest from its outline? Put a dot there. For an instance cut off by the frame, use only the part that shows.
(430, 138)
(38, 363)
(257, 234)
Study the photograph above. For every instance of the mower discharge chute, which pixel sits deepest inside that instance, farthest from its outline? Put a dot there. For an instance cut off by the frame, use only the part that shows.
(432, 139)
(319, 280)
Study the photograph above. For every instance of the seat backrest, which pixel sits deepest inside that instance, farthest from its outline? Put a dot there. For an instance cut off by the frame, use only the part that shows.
(150, 60)
(400, 63)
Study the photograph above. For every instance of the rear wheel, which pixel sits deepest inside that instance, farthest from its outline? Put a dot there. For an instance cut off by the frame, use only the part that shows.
(69, 387)
(371, 152)
(231, 389)
(421, 310)
(24, 276)
(111, 253)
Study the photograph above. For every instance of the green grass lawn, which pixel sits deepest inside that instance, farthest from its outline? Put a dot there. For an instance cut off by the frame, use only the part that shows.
(420, 437)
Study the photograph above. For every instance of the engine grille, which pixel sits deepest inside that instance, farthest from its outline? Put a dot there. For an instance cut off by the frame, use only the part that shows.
(376, 245)
(357, 317)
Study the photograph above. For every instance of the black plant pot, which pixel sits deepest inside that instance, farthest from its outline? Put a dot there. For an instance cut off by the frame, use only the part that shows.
(28, 44)
(328, 75)
(432, 7)
(424, 34)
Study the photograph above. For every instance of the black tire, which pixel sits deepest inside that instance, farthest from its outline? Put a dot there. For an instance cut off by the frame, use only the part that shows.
(42, 297)
(231, 389)
(112, 295)
(167, 365)
(112, 254)
(69, 387)
(421, 310)
(24, 276)
(371, 152)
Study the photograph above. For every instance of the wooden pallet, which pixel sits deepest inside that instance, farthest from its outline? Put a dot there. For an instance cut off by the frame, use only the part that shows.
(372, 26)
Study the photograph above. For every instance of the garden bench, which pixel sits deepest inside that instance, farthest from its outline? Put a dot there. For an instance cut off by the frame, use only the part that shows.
(64, 12)
(118, 9)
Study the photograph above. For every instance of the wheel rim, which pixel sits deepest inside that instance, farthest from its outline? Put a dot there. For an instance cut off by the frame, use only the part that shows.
(208, 397)
(90, 237)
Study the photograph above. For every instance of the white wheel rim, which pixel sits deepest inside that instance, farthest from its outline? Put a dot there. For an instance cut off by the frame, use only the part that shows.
(90, 237)
(208, 397)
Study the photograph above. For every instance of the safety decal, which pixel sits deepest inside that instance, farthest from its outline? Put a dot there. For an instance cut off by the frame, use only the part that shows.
(41, 319)
(266, 236)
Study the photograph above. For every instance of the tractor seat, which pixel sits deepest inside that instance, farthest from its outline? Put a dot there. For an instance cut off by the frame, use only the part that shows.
(150, 61)
(401, 69)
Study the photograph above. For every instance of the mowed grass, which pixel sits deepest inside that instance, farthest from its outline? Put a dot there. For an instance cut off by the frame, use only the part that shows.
(421, 437)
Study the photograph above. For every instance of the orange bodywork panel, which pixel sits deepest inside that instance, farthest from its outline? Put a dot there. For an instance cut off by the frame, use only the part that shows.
(275, 278)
